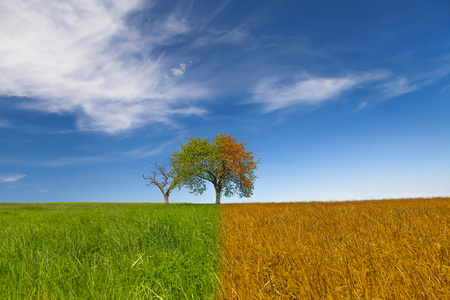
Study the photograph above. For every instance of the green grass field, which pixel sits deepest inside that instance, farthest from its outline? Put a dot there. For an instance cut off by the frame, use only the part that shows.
(108, 251)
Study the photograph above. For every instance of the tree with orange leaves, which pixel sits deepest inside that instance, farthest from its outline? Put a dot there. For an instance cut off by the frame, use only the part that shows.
(224, 162)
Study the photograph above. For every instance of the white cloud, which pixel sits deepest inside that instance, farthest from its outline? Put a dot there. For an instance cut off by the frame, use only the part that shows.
(238, 36)
(362, 106)
(142, 153)
(310, 90)
(4, 123)
(180, 71)
(175, 24)
(81, 56)
(11, 178)
(70, 161)
(398, 87)
(54, 163)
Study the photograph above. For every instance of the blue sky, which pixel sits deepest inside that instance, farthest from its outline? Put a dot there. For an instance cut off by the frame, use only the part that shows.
(341, 100)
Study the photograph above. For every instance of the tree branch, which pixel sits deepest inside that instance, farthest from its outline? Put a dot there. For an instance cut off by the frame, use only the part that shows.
(161, 170)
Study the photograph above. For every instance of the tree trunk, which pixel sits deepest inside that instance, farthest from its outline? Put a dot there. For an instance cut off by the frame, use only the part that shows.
(217, 197)
(166, 199)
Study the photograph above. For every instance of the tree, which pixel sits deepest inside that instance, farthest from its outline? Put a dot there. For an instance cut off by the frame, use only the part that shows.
(224, 162)
(165, 184)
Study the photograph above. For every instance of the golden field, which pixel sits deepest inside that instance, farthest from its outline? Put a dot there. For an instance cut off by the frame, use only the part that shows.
(389, 249)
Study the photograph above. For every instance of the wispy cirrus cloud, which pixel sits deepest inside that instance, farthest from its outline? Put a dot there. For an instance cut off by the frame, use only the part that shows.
(68, 161)
(307, 90)
(237, 36)
(57, 162)
(147, 152)
(71, 161)
(84, 57)
(399, 86)
(313, 90)
(4, 123)
(11, 178)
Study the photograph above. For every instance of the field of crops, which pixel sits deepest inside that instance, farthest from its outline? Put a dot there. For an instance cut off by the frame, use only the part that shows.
(107, 251)
(394, 249)
(354, 250)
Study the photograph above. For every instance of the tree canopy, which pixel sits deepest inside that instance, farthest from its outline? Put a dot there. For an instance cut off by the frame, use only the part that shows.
(224, 162)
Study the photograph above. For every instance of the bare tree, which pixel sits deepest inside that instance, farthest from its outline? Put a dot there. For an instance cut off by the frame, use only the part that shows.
(161, 177)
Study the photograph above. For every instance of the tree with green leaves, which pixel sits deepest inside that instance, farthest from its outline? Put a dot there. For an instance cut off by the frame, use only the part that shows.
(224, 162)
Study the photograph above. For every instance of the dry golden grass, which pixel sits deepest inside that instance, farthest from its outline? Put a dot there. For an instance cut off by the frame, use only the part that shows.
(392, 249)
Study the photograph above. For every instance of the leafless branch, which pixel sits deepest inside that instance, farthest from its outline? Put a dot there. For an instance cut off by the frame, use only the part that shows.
(161, 177)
